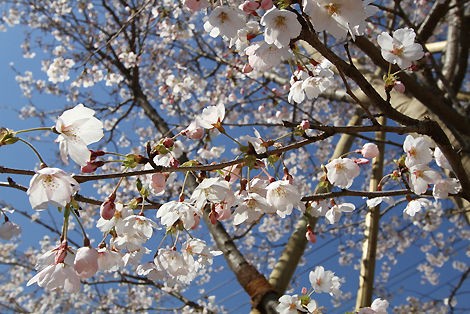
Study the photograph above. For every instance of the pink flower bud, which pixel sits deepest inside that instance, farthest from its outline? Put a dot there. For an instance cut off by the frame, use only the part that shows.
(108, 208)
(197, 220)
(399, 87)
(213, 217)
(247, 68)
(174, 163)
(168, 142)
(370, 150)
(361, 161)
(305, 125)
(158, 182)
(266, 4)
(304, 290)
(61, 252)
(91, 166)
(249, 7)
(310, 235)
(193, 132)
(86, 262)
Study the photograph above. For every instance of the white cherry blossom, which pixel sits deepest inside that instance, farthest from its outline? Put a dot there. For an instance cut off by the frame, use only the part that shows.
(443, 187)
(441, 159)
(214, 190)
(284, 196)
(56, 271)
(78, 128)
(211, 115)
(224, 21)
(280, 27)
(263, 56)
(86, 262)
(289, 304)
(378, 306)
(109, 260)
(51, 186)
(334, 214)
(336, 17)
(9, 230)
(324, 280)
(421, 176)
(172, 211)
(417, 151)
(400, 49)
(414, 207)
(341, 172)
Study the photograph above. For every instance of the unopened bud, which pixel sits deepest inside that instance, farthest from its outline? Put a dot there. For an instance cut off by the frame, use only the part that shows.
(305, 125)
(91, 166)
(399, 87)
(310, 235)
(168, 142)
(108, 208)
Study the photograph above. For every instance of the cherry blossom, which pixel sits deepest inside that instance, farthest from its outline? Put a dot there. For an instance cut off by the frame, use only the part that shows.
(78, 128)
(51, 186)
(369, 150)
(334, 213)
(289, 304)
(443, 187)
(284, 196)
(378, 306)
(211, 116)
(56, 270)
(414, 207)
(417, 151)
(421, 176)
(224, 21)
(263, 56)
(336, 17)
(173, 211)
(324, 280)
(341, 172)
(86, 262)
(109, 260)
(213, 190)
(58, 70)
(9, 230)
(280, 27)
(250, 207)
(441, 160)
(401, 48)
(196, 5)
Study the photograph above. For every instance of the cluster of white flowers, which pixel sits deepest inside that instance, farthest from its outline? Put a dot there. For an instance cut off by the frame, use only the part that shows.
(322, 281)
(418, 156)
(310, 83)
(58, 70)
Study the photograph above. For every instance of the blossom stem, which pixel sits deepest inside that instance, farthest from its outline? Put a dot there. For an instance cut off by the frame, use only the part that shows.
(184, 184)
(80, 224)
(65, 226)
(35, 129)
(230, 137)
(284, 136)
(34, 149)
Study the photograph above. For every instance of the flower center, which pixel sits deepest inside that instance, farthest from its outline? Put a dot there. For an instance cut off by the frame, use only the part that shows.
(339, 166)
(223, 17)
(398, 51)
(332, 8)
(280, 21)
